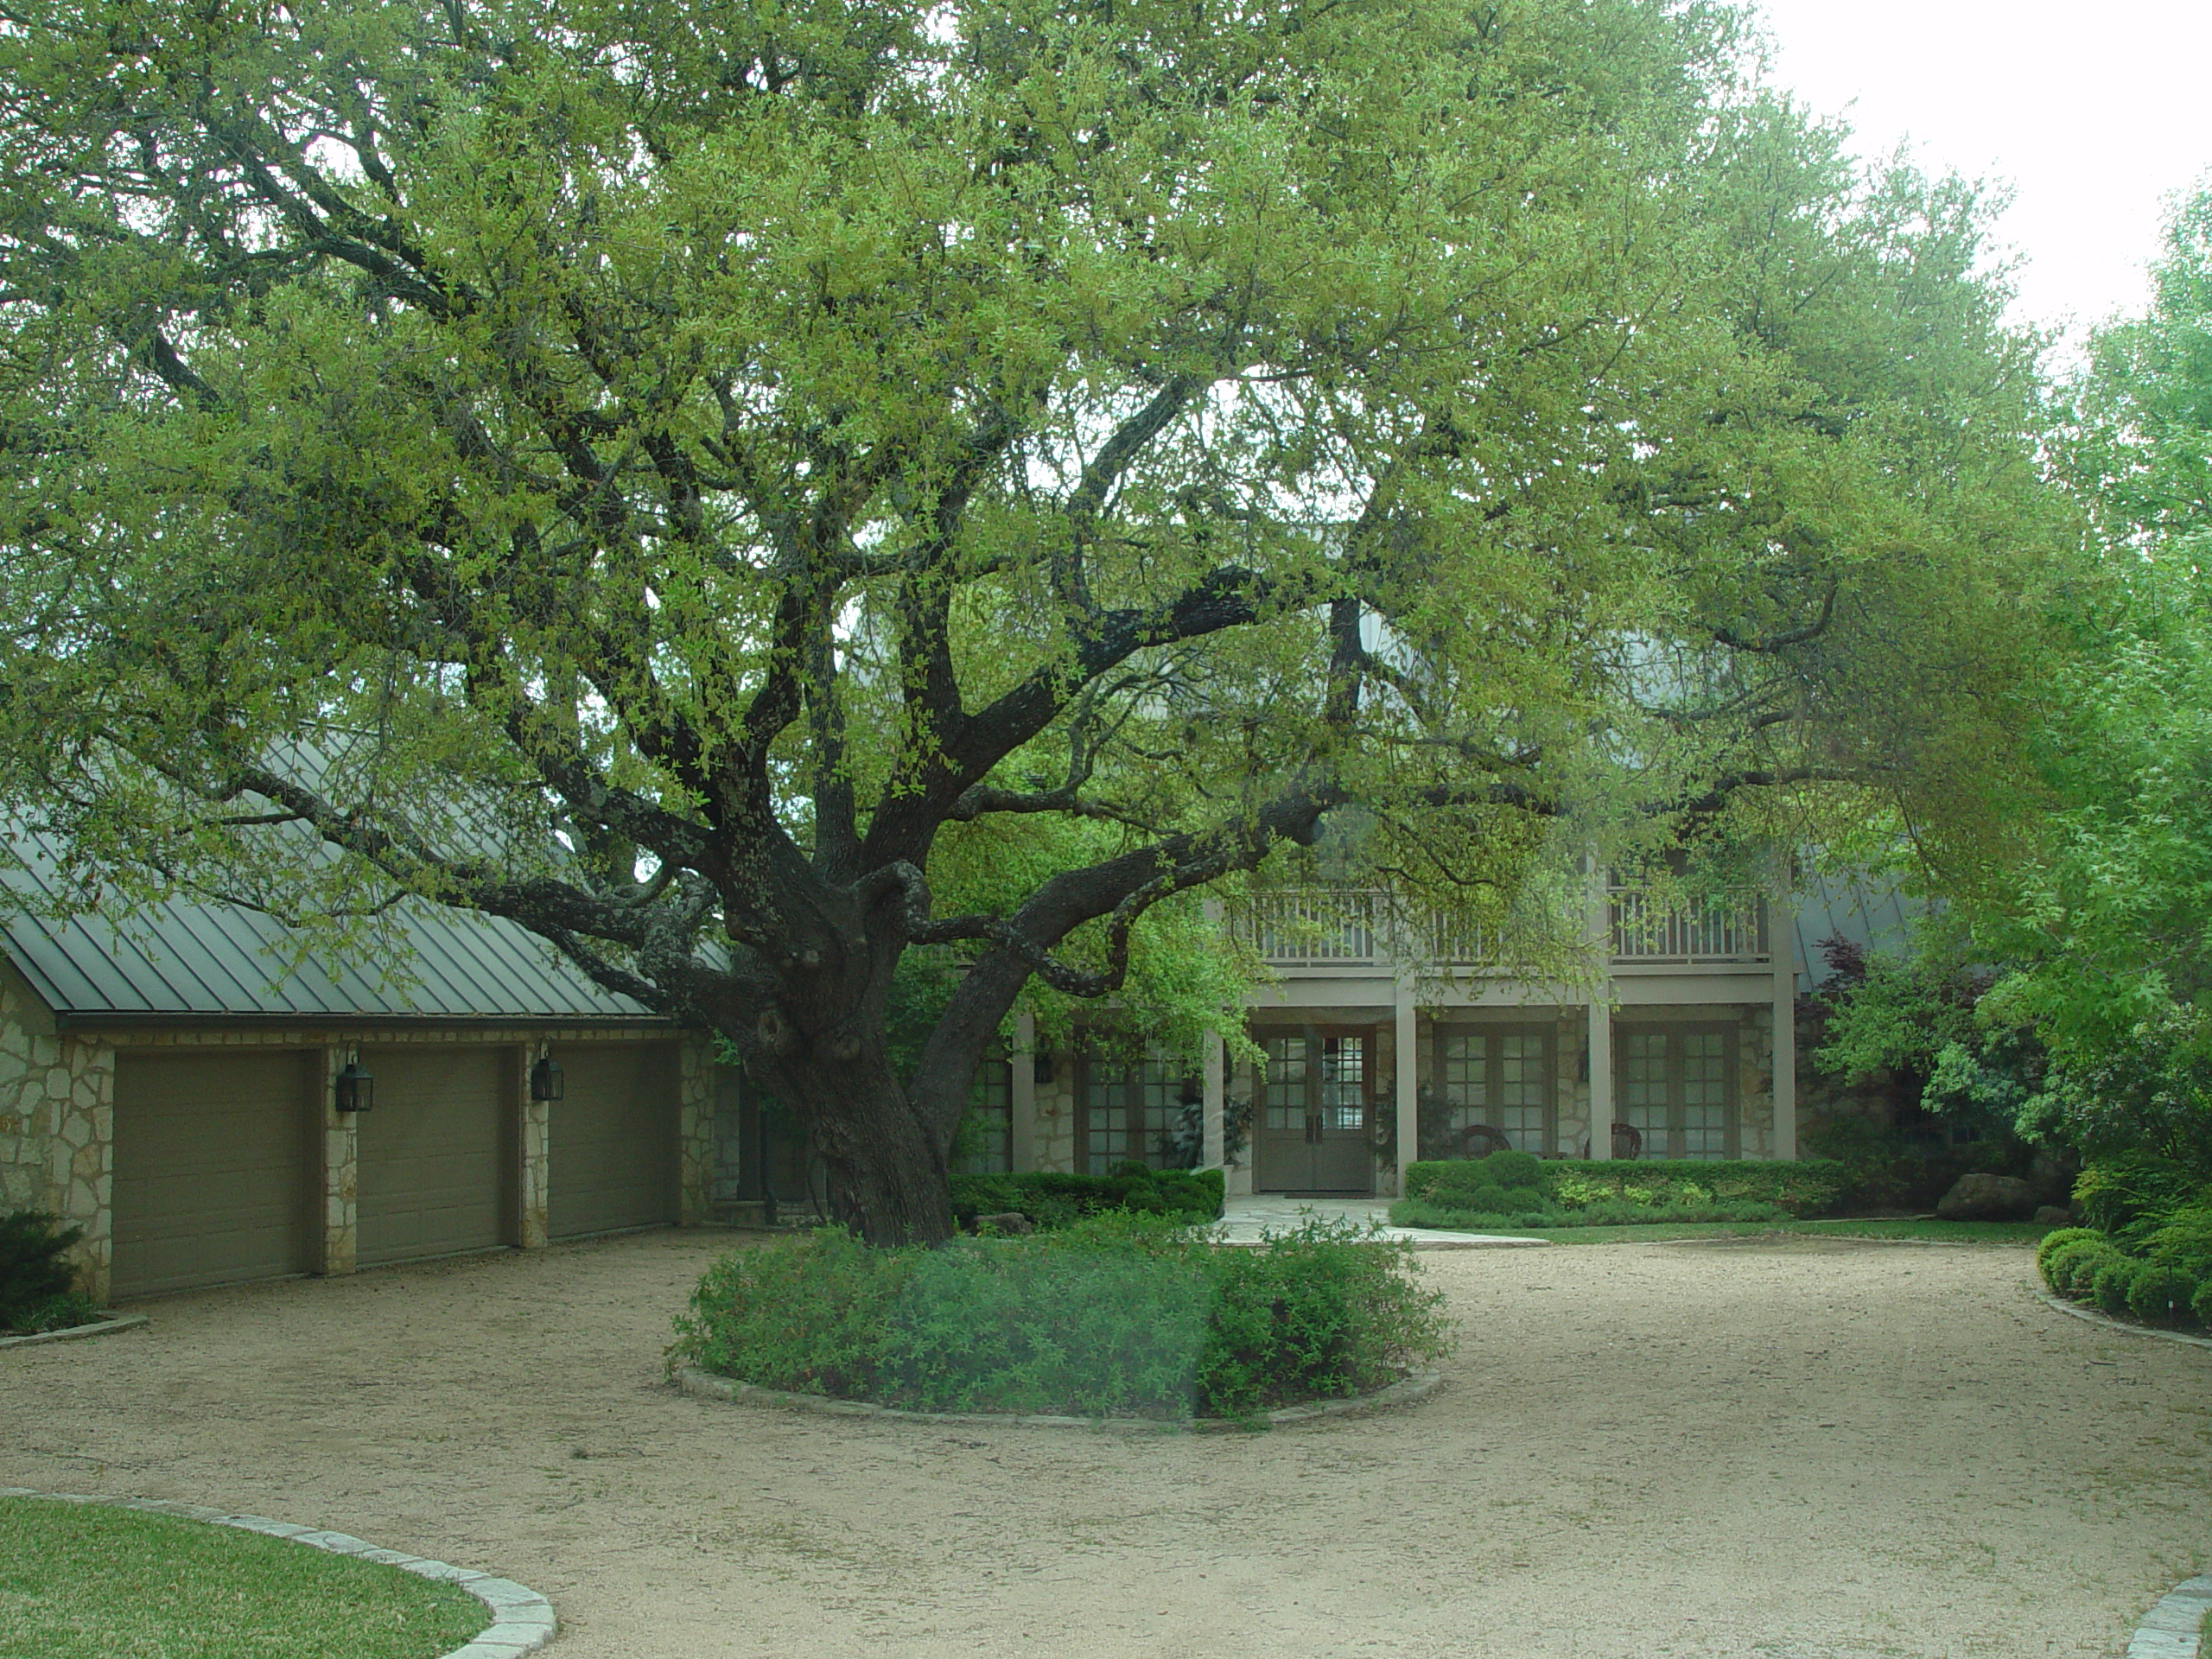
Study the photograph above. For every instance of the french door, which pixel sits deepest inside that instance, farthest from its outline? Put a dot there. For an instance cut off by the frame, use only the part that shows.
(1315, 1107)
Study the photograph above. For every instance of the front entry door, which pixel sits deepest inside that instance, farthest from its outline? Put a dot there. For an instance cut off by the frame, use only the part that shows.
(1314, 1113)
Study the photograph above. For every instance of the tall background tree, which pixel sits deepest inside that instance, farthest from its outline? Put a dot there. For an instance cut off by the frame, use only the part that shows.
(745, 490)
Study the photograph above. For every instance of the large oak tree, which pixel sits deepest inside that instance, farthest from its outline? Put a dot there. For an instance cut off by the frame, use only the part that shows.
(692, 476)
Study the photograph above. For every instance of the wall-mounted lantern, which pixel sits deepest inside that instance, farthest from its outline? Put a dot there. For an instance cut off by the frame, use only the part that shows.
(545, 1080)
(356, 1091)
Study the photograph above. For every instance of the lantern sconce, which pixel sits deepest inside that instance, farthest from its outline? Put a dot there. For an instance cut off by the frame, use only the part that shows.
(545, 1079)
(355, 1090)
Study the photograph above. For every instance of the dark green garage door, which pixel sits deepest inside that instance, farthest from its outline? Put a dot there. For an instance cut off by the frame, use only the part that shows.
(612, 1150)
(215, 1168)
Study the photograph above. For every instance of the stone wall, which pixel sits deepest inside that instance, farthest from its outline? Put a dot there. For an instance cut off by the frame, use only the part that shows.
(57, 1118)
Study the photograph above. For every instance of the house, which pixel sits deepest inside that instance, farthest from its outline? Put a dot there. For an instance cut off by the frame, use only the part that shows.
(168, 1088)
(165, 1087)
(1385, 1040)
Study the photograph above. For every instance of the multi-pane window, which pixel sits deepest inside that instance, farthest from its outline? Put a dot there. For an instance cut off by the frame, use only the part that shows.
(1676, 1086)
(1131, 1108)
(1308, 1075)
(991, 1116)
(1498, 1076)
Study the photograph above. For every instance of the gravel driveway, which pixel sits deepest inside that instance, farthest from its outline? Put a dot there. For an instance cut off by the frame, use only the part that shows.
(1792, 1449)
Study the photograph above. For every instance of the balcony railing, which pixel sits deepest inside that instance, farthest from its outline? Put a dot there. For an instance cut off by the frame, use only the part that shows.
(1350, 928)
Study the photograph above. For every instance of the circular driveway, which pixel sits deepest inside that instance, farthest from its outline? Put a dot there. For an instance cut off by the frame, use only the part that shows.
(1795, 1449)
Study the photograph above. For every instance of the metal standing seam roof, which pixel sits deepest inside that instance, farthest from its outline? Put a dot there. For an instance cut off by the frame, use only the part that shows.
(182, 959)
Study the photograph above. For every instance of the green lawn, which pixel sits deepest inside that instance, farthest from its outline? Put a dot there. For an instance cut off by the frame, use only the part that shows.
(87, 1581)
(1942, 1232)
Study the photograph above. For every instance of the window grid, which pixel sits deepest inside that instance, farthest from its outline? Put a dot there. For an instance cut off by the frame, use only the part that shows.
(992, 1105)
(1500, 1078)
(1129, 1109)
(1675, 1086)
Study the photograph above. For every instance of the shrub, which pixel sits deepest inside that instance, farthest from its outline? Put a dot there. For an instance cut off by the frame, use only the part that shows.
(1806, 1188)
(2069, 1267)
(1114, 1314)
(2112, 1281)
(2129, 1195)
(2058, 1239)
(33, 1276)
(2183, 1242)
(1323, 1311)
(1422, 1212)
(2160, 1292)
(1051, 1200)
(2201, 1303)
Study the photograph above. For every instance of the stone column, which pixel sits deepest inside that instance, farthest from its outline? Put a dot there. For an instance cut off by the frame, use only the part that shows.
(80, 1093)
(1021, 1093)
(341, 1163)
(1601, 1017)
(1405, 1060)
(1782, 933)
(1215, 1155)
(695, 1195)
(533, 1152)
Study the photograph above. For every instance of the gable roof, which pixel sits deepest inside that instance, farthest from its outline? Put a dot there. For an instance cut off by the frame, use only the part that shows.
(180, 961)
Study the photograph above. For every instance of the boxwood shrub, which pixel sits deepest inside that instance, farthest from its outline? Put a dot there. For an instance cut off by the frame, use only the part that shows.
(1517, 1189)
(2148, 1249)
(1051, 1200)
(1111, 1315)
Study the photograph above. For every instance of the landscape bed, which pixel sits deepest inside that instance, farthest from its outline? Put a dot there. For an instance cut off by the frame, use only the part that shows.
(1115, 1315)
(1517, 1189)
(2147, 1252)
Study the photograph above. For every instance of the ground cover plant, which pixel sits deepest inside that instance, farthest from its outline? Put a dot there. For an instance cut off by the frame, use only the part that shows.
(1111, 1315)
(1913, 1229)
(89, 1581)
(2146, 1251)
(1508, 1190)
(37, 1287)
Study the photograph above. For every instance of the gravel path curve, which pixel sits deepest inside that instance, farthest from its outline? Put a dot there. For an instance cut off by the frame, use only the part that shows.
(1793, 1449)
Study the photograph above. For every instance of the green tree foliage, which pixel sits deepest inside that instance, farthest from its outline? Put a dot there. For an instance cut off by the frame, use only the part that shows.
(746, 489)
(2110, 925)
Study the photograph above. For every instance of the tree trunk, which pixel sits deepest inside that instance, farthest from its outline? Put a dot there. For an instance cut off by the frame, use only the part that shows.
(886, 1165)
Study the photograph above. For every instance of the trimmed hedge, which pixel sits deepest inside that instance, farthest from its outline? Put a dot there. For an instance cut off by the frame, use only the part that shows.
(1517, 1189)
(2149, 1252)
(1116, 1314)
(1051, 1200)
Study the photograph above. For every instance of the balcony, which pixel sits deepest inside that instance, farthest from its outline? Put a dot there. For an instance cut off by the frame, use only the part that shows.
(1359, 932)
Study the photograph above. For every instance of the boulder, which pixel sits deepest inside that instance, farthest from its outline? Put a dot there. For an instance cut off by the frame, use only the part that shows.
(1012, 1221)
(2053, 1215)
(1988, 1198)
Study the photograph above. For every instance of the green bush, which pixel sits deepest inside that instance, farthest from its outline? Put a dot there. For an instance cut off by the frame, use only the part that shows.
(1052, 1199)
(1805, 1188)
(2112, 1281)
(1420, 1213)
(2160, 1293)
(2068, 1267)
(2056, 1240)
(2130, 1195)
(1114, 1314)
(2201, 1303)
(33, 1276)
(2183, 1242)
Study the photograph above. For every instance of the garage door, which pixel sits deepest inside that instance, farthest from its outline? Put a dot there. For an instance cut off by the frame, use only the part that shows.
(215, 1170)
(430, 1179)
(611, 1151)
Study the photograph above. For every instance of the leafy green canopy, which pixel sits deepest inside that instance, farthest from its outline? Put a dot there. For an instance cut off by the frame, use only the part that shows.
(769, 461)
(2109, 927)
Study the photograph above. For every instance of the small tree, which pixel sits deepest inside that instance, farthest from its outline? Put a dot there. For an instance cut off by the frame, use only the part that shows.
(775, 465)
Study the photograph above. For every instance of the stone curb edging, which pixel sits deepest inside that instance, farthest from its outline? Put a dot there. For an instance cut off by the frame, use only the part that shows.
(705, 1385)
(522, 1620)
(70, 1333)
(2094, 1317)
(2171, 1628)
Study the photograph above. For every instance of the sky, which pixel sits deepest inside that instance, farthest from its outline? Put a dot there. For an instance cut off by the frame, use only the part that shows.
(2094, 114)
